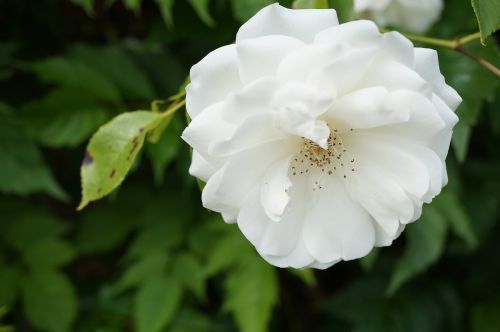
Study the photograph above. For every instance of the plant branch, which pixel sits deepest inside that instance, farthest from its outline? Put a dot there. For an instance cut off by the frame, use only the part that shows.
(488, 65)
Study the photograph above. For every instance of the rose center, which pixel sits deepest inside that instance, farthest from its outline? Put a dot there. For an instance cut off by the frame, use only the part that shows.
(335, 159)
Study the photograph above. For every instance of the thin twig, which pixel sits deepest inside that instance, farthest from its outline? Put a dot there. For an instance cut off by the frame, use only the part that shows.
(478, 59)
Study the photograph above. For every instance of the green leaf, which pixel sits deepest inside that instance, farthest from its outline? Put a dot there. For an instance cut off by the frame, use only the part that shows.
(9, 284)
(486, 318)
(88, 5)
(369, 260)
(166, 11)
(425, 243)
(48, 254)
(226, 253)
(104, 227)
(163, 152)
(156, 303)
(111, 152)
(344, 8)
(452, 209)
(189, 272)
(474, 83)
(162, 235)
(49, 300)
(306, 275)
(141, 271)
(488, 17)
(243, 10)
(23, 170)
(25, 228)
(118, 67)
(304, 4)
(71, 73)
(134, 5)
(64, 117)
(201, 8)
(252, 293)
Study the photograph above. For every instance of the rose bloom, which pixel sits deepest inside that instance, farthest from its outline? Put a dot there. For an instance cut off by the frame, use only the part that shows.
(320, 140)
(412, 15)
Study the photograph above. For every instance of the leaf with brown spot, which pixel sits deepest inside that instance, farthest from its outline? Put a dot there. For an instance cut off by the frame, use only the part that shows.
(111, 152)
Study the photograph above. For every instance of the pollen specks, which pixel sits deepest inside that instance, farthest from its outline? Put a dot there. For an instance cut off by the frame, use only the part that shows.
(335, 159)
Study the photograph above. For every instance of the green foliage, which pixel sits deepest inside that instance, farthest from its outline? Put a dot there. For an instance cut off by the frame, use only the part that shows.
(148, 257)
(23, 169)
(488, 16)
(49, 300)
(156, 303)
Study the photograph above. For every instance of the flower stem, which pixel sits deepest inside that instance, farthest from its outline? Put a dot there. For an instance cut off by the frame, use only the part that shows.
(457, 45)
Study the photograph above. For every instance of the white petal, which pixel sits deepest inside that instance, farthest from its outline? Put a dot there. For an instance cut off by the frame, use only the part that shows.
(336, 227)
(295, 120)
(271, 237)
(206, 128)
(201, 168)
(299, 64)
(255, 130)
(367, 108)
(342, 75)
(380, 195)
(395, 46)
(253, 98)
(260, 57)
(277, 20)
(241, 173)
(362, 33)
(317, 101)
(395, 76)
(212, 79)
(274, 191)
(427, 65)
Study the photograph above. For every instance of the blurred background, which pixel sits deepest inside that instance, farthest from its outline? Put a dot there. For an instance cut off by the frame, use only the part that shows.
(149, 258)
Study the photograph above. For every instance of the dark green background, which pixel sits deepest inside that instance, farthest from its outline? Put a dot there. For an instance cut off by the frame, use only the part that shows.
(149, 257)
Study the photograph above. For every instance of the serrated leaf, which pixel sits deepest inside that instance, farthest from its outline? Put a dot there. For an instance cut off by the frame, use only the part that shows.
(23, 170)
(71, 73)
(189, 272)
(114, 63)
(304, 4)
(201, 8)
(111, 152)
(64, 117)
(49, 301)
(156, 303)
(48, 254)
(243, 10)
(141, 271)
(251, 293)
(166, 11)
(425, 243)
(488, 17)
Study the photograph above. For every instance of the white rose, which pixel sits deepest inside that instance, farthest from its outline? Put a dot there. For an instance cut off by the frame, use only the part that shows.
(412, 15)
(320, 140)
